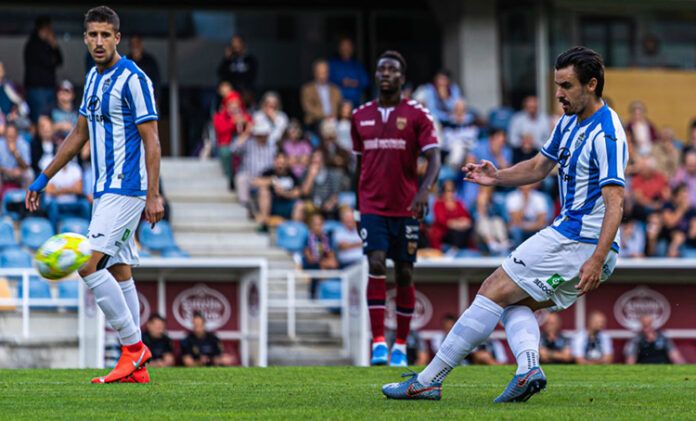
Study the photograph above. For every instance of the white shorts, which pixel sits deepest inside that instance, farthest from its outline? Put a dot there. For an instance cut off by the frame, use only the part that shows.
(112, 230)
(547, 266)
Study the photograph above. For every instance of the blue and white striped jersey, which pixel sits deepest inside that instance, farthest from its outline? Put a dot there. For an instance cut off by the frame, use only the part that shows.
(590, 154)
(114, 103)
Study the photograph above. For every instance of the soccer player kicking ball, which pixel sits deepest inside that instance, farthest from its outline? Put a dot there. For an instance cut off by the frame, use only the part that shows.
(118, 116)
(389, 135)
(560, 262)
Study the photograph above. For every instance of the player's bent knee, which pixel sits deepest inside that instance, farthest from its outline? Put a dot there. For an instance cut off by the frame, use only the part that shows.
(404, 275)
(97, 262)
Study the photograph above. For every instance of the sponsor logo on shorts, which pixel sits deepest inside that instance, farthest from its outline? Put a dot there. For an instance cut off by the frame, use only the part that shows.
(126, 234)
(97, 235)
(519, 261)
(543, 287)
(412, 232)
(412, 247)
(555, 281)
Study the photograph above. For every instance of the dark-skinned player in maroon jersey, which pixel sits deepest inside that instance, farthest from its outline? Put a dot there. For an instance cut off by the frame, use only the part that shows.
(389, 134)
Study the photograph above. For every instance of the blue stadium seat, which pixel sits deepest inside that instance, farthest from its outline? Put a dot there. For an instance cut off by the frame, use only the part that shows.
(12, 202)
(346, 198)
(7, 235)
(73, 224)
(34, 231)
(292, 236)
(15, 258)
(330, 226)
(174, 252)
(499, 118)
(69, 289)
(448, 173)
(38, 288)
(330, 289)
(158, 238)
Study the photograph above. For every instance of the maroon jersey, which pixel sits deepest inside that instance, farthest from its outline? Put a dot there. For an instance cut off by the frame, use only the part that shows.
(390, 141)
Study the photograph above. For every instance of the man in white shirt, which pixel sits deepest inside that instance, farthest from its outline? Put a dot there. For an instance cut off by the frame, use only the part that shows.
(593, 346)
(528, 210)
(347, 240)
(64, 195)
(529, 120)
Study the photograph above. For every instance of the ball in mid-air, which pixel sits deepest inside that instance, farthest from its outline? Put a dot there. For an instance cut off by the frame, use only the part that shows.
(62, 255)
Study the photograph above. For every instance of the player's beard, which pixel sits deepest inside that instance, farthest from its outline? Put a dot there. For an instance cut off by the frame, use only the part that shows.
(106, 58)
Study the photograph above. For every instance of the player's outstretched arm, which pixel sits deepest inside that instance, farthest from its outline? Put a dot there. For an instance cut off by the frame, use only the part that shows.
(523, 173)
(154, 210)
(70, 147)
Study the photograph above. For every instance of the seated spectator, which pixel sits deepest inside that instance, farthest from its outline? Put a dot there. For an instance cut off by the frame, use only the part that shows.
(343, 136)
(526, 150)
(334, 155)
(318, 253)
(530, 120)
(155, 337)
(347, 239)
(554, 347)
(12, 105)
(14, 160)
(297, 148)
(43, 145)
(493, 149)
(64, 116)
(272, 112)
(453, 224)
(277, 190)
(201, 348)
(528, 210)
(440, 96)
(640, 132)
(320, 98)
(491, 352)
(230, 122)
(687, 175)
(256, 156)
(490, 226)
(650, 188)
(593, 346)
(459, 134)
(651, 346)
(447, 322)
(632, 239)
(677, 217)
(322, 185)
(666, 153)
(64, 195)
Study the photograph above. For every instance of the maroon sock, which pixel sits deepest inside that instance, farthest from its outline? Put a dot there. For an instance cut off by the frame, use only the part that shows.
(405, 303)
(376, 296)
(135, 347)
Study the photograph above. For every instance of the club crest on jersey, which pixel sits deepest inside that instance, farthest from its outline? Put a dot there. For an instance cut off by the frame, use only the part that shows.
(579, 140)
(401, 123)
(105, 86)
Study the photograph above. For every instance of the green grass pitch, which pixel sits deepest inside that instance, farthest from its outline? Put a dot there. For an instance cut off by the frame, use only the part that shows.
(587, 393)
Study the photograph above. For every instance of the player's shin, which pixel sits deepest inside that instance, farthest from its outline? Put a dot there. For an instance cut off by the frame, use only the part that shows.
(376, 297)
(405, 304)
(522, 331)
(130, 293)
(473, 327)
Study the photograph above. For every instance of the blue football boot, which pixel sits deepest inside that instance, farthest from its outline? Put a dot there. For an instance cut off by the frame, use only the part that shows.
(412, 389)
(380, 354)
(523, 386)
(398, 358)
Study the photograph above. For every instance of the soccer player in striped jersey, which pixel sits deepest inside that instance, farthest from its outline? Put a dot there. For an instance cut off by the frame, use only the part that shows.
(118, 117)
(561, 262)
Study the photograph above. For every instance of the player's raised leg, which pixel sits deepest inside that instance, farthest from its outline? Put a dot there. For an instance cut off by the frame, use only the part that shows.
(473, 327)
(376, 298)
(405, 304)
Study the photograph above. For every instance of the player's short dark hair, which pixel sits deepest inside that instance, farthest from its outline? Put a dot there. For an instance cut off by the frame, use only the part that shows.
(103, 14)
(587, 63)
(394, 55)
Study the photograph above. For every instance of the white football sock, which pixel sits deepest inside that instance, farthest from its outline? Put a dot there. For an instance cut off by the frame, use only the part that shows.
(473, 327)
(522, 331)
(131, 296)
(111, 301)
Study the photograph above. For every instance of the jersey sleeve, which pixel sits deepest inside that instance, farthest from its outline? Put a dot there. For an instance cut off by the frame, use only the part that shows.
(611, 151)
(427, 135)
(141, 98)
(553, 144)
(355, 136)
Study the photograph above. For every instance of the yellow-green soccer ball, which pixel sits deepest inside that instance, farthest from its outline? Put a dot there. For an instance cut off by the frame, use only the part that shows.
(62, 255)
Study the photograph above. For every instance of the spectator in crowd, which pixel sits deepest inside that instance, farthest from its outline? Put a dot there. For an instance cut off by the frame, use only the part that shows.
(690, 143)
(678, 216)
(14, 160)
(640, 132)
(256, 153)
(64, 116)
(490, 226)
(528, 210)
(493, 149)
(347, 239)
(271, 112)
(530, 120)
(322, 184)
(318, 253)
(43, 145)
(320, 98)
(239, 68)
(334, 154)
(230, 122)
(666, 153)
(440, 96)
(146, 61)
(277, 190)
(453, 225)
(201, 348)
(156, 338)
(348, 73)
(526, 150)
(343, 136)
(650, 188)
(447, 323)
(64, 195)
(417, 352)
(651, 346)
(554, 347)
(11, 102)
(297, 148)
(41, 58)
(593, 346)
(632, 239)
(687, 175)
(491, 352)
(459, 134)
